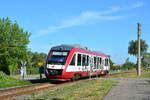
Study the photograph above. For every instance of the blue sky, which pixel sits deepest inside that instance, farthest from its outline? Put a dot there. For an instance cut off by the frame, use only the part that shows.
(101, 25)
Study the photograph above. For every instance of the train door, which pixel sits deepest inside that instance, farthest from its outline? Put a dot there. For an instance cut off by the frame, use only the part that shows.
(85, 62)
(103, 66)
(79, 62)
(72, 67)
(103, 63)
(107, 63)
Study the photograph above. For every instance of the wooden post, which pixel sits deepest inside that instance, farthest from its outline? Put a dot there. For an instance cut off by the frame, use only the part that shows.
(139, 52)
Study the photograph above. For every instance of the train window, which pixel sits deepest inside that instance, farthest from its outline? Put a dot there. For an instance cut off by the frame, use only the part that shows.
(100, 61)
(106, 62)
(97, 62)
(87, 61)
(79, 60)
(103, 61)
(94, 63)
(57, 57)
(84, 60)
(73, 60)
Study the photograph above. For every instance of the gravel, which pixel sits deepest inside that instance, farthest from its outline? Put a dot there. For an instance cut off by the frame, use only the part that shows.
(130, 89)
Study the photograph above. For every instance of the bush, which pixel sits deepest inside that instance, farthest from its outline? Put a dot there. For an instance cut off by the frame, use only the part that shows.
(12, 69)
(7, 81)
(128, 66)
(33, 70)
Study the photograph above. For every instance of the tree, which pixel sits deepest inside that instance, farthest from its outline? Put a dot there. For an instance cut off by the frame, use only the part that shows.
(35, 60)
(38, 57)
(114, 66)
(133, 47)
(13, 44)
(146, 59)
(128, 65)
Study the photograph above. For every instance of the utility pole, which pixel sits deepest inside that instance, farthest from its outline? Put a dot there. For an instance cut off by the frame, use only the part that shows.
(139, 52)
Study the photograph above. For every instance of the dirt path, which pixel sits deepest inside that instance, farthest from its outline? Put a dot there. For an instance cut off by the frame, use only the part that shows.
(130, 89)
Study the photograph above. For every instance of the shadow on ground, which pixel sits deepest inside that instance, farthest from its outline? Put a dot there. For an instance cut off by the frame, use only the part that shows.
(34, 81)
(44, 80)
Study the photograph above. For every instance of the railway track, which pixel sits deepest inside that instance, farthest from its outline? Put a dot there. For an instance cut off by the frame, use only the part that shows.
(11, 93)
(18, 91)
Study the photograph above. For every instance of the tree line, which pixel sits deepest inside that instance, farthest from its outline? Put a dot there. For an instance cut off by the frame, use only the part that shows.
(133, 50)
(14, 47)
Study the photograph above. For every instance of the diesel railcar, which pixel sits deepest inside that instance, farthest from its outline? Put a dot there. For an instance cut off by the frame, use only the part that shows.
(67, 62)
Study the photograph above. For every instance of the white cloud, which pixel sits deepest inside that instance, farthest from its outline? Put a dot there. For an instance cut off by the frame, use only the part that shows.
(138, 4)
(86, 18)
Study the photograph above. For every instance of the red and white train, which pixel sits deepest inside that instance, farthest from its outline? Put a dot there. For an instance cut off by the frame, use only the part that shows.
(67, 62)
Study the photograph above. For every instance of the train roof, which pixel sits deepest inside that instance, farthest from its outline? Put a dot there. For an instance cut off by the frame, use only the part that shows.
(79, 49)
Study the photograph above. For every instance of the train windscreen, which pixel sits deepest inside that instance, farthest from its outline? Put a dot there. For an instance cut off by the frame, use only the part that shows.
(58, 57)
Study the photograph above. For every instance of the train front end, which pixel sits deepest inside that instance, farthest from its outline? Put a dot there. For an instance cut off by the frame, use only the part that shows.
(55, 64)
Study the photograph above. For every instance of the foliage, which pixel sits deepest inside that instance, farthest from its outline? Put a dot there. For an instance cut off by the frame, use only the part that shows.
(34, 58)
(82, 90)
(38, 57)
(133, 74)
(13, 44)
(128, 65)
(32, 70)
(12, 69)
(13, 48)
(113, 66)
(7, 81)
(133, 47)
(146, 59)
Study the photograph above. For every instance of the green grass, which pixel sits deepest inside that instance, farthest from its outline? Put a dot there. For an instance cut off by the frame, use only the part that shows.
(144, 74)
(111, 72)
(7, 81)
(83, 90)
